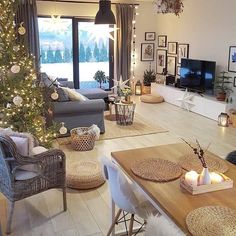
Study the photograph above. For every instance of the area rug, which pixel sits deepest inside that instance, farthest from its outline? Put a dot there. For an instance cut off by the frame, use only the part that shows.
(139, 127)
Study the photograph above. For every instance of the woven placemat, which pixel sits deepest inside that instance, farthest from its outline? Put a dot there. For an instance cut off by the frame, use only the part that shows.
(191, 162)
(212, 221)
(157, 170)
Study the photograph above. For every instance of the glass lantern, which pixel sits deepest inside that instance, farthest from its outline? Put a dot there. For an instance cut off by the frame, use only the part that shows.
(138, 88)
(223, 119)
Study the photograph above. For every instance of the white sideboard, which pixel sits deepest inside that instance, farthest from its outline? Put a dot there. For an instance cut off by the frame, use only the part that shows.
(204, 105)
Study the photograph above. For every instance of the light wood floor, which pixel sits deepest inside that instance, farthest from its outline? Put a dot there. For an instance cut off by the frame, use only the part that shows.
(88, 211)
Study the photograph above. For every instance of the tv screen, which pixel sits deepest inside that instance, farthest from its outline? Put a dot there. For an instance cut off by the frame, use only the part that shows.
(197, 75)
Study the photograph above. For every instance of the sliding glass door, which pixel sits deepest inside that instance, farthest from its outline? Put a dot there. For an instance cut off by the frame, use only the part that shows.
(75, 49)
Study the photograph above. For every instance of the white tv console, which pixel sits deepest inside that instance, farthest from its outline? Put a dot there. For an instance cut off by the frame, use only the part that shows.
(204, 105)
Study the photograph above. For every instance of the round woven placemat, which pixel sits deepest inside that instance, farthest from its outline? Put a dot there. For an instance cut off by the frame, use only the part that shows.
(84, 175)
(191, 162)
(212, 221)
(157, 170)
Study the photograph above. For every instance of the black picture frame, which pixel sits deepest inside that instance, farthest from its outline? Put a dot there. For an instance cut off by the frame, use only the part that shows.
(150, 36)
(171, 65)
(232, 59)
(161, 59)
(183, 51)
(234, 84)
(162, 41)
(172, 48)
(147, 51)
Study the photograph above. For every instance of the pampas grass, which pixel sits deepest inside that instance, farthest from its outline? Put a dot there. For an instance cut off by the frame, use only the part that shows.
(160, 226)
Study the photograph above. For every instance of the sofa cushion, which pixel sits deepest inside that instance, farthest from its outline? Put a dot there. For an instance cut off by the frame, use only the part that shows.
(74, 95)
(93, 93)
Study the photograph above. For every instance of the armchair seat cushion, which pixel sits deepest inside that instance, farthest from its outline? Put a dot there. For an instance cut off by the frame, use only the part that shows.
(24, 175)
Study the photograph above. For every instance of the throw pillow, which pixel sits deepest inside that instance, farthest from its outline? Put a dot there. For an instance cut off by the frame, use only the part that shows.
(73, 95)
(21, 144)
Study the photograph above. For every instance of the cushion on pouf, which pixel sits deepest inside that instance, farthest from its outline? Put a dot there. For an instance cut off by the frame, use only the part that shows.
(152, 98)
(84, 175)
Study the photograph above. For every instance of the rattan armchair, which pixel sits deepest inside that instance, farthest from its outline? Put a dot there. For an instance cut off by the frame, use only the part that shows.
(48, 172)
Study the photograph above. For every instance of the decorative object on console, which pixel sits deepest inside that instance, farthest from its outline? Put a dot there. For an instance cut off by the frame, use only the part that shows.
(222, 86)
(150, 36)
(186, 100)
(178, 70)
(105, 14)
(171, 65)
(183, 51)
(161, 56)
(169, 6)
(162, 41)
(149, 77)
(172, 48)
(147, 51)
(138, 88)
(223, 119)
(232, 59)
(100, 77)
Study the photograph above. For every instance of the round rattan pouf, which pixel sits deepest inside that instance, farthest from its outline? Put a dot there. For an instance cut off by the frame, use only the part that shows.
(84, 175)
(152, 98)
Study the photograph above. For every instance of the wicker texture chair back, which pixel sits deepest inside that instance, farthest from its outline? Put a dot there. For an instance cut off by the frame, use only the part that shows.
(49, 173)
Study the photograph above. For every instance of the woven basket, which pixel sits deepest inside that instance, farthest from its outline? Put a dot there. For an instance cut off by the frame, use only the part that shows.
(83, 142)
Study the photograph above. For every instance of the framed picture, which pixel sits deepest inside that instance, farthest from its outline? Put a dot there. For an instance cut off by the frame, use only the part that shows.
(183, 51)
(162, 39)
(172, 48)
(160, 60)
(171, 65)
(178, 70)
(150, 36)
(232, 59)
(147, 51)
(234, 81)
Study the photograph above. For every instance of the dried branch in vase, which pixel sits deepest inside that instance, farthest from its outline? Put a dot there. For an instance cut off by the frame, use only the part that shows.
(198, 151)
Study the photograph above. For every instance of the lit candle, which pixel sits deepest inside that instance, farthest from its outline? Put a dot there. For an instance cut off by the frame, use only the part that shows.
(216, 178)
(191, 177)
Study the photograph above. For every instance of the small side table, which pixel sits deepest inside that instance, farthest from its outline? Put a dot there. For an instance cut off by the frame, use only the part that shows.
(124, 113)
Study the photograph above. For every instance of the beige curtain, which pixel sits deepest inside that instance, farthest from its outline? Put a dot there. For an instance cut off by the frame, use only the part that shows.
(124, 17)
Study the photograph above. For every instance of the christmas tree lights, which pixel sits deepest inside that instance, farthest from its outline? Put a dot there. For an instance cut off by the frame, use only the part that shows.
(22, 106)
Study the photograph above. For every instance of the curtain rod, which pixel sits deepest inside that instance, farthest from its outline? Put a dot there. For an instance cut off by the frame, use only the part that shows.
(64, 1)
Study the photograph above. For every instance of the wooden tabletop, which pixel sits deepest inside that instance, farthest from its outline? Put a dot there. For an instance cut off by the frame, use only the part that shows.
(175, 202)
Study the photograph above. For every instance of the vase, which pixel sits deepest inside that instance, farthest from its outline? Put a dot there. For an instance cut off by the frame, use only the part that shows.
(128, 99)
(204, 177)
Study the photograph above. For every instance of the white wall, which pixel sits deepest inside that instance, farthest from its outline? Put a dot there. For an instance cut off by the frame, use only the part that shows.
(209, 26)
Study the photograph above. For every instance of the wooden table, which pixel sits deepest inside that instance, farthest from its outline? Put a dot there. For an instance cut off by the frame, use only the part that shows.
(168, 198)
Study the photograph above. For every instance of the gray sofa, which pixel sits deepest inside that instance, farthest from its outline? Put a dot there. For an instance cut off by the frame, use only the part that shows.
(82, 113)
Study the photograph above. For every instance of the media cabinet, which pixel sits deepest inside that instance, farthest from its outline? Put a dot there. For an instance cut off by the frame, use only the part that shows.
(204, 105)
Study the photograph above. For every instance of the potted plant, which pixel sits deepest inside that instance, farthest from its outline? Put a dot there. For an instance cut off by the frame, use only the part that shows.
(127, 92)
(222, 86)
(100, 77)
(149, 77)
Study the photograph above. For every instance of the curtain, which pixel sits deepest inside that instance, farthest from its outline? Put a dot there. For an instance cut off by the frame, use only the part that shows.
(27, 13)
(124, 17)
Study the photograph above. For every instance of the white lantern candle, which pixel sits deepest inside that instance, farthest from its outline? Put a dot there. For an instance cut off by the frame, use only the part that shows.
(191, 177)
(216, 178)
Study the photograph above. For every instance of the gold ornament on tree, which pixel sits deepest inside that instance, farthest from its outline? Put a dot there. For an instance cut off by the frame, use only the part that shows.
(21, 29)
(54, 95)
(17, 100)
(63, 129)
(15, 69)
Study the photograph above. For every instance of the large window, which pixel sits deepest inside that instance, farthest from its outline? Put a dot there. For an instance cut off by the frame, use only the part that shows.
(55, 35)
(75, 50)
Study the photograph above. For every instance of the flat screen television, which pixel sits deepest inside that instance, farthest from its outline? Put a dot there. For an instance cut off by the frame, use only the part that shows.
(197, 75)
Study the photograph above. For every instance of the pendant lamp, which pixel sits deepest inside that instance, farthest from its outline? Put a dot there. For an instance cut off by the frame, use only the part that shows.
(105, 14)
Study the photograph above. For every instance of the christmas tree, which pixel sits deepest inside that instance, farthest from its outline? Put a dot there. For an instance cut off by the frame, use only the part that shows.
(22, 106)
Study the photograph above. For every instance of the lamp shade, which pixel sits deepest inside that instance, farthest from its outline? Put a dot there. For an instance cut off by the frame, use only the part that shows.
(105, 14)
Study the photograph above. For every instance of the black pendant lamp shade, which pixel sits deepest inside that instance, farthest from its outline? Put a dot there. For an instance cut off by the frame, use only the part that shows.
(105, 14)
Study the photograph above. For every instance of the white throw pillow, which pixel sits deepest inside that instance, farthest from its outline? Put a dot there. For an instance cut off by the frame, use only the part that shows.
(73, 95)
(21, 144)
(38, 150)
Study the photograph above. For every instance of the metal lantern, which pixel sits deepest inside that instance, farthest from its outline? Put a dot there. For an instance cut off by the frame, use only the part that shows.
(138, 88)
(223, 119)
